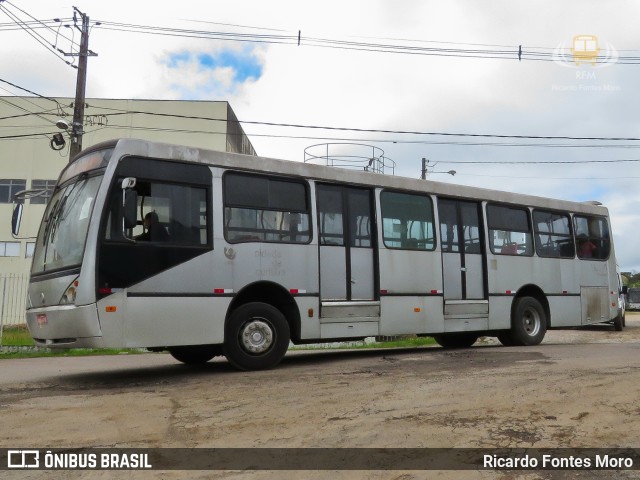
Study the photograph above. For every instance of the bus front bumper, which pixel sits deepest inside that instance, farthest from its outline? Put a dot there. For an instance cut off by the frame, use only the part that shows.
(65, 326)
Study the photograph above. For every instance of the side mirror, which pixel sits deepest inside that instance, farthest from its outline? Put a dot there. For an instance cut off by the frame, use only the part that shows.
(18, 207)
(129, 206)
(16, 219)
(625, 289)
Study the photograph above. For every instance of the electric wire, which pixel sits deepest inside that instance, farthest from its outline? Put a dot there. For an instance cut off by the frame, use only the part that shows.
(32, 32)
(447, 49)
(377, 130)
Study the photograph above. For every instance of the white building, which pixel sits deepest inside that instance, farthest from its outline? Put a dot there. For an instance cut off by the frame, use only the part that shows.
(29, 161)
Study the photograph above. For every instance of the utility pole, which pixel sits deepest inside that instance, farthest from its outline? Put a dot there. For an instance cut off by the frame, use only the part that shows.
(424, 169)
(77, 128)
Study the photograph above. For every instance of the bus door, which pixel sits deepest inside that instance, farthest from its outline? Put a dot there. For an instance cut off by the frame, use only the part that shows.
(346, 243)
(462, 258)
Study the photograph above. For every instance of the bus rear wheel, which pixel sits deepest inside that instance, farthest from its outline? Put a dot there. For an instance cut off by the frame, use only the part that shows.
(456, 340)
(618, 322)
(256, 336)
(195, 354)
(528, 323)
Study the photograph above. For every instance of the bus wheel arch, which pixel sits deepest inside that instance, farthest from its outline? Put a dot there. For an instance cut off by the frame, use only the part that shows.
(272, 294)
(260, 322)
(530, 318)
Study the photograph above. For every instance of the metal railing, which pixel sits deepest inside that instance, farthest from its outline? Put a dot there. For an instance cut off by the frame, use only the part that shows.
(350, 155)
(13, 297)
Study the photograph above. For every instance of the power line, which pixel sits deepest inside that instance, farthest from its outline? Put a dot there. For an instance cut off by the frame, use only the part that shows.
(545, 177)
(27, 27)
(4, 100)
(27, 135)
(31, 92)
(537, 162)
(377, 130)
(119, 112)
(446, 49)
(378, 140)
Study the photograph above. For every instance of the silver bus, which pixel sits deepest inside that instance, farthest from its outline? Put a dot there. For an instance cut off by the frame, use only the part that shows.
(205, 253)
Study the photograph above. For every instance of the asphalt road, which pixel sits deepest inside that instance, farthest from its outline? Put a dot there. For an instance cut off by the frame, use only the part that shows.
(580, 388)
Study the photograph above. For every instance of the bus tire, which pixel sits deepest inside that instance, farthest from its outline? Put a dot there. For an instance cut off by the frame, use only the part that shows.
(456, 340)
(256, 336)
(528, 323)
(195, 354)
(618, 323)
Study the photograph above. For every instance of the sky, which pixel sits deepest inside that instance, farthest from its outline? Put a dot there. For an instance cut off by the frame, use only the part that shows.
(371, 97)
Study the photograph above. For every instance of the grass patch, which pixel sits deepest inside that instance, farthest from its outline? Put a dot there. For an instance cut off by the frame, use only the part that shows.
(16, 335)
(79, 352)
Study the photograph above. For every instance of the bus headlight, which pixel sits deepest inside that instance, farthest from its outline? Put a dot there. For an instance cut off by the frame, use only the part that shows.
(69, 295)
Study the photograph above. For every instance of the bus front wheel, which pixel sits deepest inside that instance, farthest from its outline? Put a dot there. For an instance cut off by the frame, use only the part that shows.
(528, 323)
(256, 336)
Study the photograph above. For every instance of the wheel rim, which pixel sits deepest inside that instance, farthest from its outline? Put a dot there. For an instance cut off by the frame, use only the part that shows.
(531, 322)
(257, 336)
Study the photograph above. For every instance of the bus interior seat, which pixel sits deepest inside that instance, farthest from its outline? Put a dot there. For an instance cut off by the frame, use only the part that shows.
(509, 249)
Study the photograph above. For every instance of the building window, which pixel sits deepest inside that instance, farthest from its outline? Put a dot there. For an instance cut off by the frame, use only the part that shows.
(10, 249)
(265, 209)
(407, 221)
(46, 186)
(8, 188)
(509, 230)
(30, 248)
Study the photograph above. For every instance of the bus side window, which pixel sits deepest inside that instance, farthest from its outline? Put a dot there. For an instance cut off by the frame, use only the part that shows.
(407, 221)
(553, 234)
(509, 230)
(260, 208)
(167, 213)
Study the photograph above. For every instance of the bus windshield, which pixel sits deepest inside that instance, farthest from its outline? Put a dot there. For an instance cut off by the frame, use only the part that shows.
(63, 232)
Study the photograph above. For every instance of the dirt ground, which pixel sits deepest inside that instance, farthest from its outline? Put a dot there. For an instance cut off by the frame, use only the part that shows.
(580, 388)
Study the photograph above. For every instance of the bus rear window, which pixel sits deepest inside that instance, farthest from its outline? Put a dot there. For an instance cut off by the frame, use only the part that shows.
(592, 237)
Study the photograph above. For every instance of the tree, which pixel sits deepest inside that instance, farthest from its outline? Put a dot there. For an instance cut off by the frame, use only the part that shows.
(632, 279)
